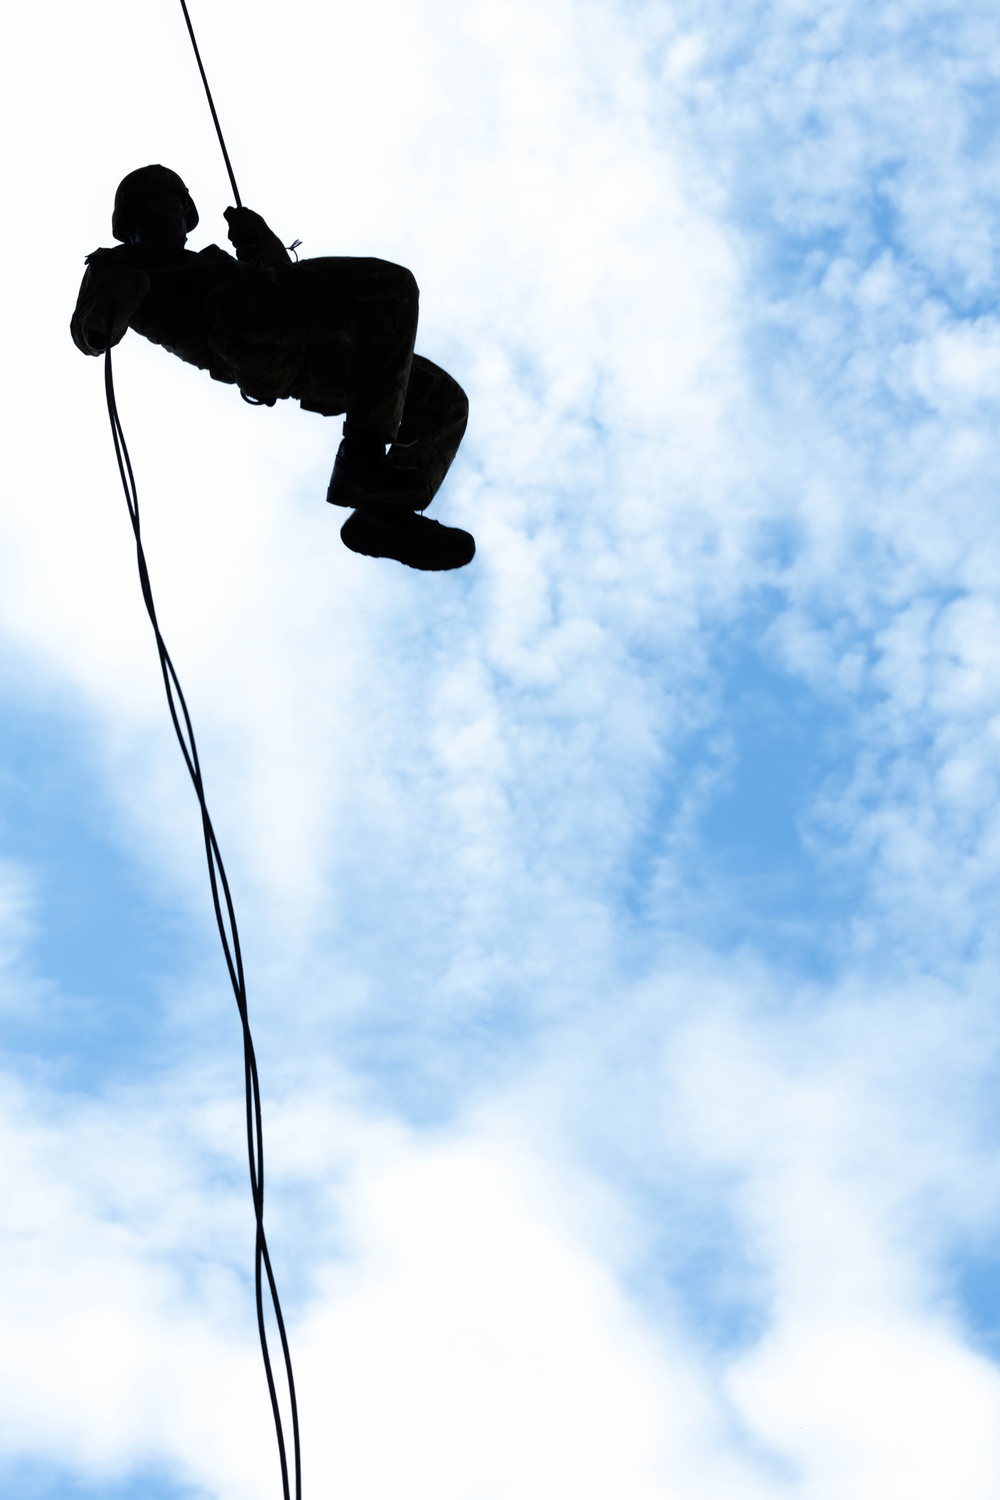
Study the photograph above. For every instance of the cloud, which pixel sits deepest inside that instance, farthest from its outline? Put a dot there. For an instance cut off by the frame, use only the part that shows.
(639, 880)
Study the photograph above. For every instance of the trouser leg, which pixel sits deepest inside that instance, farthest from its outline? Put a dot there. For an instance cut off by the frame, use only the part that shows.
(375, 303)
(435, 415)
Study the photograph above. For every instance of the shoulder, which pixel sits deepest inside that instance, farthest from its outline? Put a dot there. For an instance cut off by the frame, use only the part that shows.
(216, 253)
(107, 255)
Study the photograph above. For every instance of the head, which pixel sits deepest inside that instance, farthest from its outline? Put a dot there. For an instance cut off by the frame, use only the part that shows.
(153, 207)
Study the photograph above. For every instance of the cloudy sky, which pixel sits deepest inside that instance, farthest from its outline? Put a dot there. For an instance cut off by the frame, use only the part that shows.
(621, 913)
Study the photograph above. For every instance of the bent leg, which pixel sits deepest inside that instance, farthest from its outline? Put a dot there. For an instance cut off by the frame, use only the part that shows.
(435, 416)
(350, 322)
(373, 306)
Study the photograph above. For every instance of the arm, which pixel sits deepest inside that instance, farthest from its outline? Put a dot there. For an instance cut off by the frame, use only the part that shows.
(255, 243)
(110, 293)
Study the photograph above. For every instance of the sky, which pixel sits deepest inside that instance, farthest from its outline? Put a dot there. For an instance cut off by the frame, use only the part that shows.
(620, 912)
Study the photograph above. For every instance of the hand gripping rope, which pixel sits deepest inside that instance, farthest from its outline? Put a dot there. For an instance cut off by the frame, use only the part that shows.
(225, 915)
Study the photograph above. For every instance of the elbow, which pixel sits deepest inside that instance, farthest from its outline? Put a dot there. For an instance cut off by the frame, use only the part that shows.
(87, 340)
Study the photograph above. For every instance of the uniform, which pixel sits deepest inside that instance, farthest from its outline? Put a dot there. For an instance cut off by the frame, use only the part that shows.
(334, 333)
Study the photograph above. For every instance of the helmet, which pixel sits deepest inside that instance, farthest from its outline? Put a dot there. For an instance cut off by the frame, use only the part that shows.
(130, 193)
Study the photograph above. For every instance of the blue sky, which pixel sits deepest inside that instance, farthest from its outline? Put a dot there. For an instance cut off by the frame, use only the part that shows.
(620, 912)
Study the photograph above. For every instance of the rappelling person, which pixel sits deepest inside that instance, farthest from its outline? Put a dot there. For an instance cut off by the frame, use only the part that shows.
(336, 333)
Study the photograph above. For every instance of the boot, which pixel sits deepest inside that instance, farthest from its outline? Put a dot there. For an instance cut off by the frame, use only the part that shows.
(390, 531)
(365, 478)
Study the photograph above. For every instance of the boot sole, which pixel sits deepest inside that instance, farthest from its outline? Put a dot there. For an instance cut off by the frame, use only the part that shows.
(409, 539)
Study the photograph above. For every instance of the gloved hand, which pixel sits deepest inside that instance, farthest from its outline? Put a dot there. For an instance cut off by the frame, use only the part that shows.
(255, 243)
(247, 230)
(116, 293)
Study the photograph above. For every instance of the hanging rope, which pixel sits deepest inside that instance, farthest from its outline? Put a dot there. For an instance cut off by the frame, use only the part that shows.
(211, 105)
(225, 917)
(222, 902)
(225, 154)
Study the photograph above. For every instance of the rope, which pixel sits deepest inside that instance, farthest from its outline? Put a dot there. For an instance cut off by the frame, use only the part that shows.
(225, 917)
(211, 105)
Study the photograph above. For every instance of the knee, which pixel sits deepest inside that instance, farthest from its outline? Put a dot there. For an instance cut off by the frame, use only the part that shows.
(390, 280)
(406, 285)
(461, 409)
(456, 400)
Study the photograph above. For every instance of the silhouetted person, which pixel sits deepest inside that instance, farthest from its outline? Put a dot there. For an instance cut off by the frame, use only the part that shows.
(336, 333)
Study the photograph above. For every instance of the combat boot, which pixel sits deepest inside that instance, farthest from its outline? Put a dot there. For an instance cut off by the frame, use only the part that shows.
(364, 478)
(390, 531)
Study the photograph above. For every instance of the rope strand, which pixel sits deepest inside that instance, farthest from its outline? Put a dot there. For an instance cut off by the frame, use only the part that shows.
(211, 105)
(225, 916)
(222, 901)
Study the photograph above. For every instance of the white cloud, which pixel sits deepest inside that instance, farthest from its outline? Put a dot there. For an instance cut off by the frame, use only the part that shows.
(715, 284)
